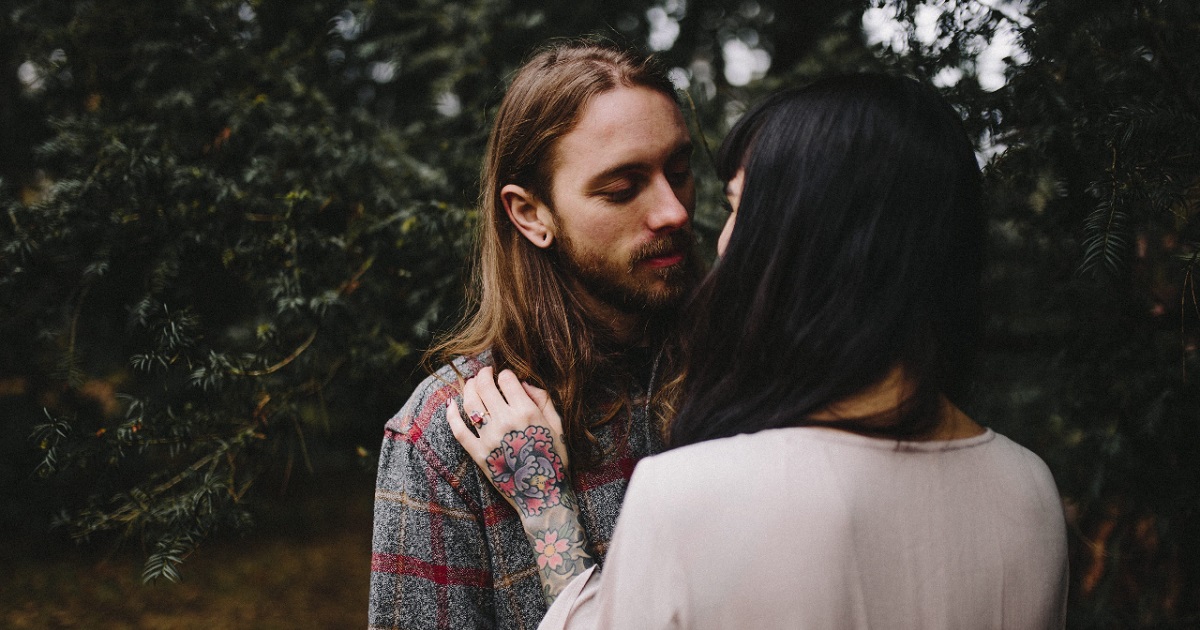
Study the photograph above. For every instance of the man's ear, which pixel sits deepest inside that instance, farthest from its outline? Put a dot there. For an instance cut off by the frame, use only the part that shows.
(531, 216)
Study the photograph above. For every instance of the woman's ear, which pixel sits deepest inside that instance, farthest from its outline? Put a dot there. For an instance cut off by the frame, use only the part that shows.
(531, 216)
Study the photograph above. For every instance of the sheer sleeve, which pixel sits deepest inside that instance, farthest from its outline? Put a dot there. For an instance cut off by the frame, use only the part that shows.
(642, 585)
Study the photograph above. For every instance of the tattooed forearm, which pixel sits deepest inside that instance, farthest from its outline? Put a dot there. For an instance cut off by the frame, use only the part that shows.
(561, 549)
(526, 469)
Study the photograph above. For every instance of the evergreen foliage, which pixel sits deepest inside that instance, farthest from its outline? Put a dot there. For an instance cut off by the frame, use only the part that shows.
(230, 254)
(1104, 123)
(1094, 322)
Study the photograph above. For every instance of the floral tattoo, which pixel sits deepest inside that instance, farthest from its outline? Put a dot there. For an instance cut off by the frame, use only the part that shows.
(551, 550)
(560, 547)
(526, 469)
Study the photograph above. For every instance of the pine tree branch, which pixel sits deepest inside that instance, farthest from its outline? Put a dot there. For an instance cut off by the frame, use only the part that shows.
(282, 363)
(71, 369)
(345, 288)
(1189, 285)
(130, 511)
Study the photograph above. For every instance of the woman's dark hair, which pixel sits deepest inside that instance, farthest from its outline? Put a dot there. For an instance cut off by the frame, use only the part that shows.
(858, 248)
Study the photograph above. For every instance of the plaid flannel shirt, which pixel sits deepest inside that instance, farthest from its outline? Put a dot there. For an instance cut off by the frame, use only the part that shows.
(448, 551)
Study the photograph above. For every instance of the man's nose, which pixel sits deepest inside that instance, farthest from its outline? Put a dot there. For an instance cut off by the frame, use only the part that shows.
(669, 211)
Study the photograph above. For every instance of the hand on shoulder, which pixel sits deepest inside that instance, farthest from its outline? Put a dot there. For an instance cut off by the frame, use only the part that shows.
(514, 435)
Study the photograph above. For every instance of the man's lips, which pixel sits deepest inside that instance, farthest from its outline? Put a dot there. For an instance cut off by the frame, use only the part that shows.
(666, 260)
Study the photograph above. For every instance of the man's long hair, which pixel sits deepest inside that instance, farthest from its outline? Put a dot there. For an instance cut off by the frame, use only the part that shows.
(522, 306)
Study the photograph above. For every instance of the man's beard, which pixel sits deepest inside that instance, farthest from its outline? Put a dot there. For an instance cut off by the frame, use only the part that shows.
(617, 284)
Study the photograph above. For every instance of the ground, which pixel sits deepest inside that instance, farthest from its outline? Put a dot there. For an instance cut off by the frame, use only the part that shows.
(307, 565)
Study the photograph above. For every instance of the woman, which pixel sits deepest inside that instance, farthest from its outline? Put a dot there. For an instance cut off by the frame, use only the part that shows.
(821, 475)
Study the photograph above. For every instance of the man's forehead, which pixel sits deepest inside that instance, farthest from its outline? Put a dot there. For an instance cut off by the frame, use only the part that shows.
(608, 111)
(627, 124)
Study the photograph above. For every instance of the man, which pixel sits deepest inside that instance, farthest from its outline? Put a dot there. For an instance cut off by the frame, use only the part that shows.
(585, 251)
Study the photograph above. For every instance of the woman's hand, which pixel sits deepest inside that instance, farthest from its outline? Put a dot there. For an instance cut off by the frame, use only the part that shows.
(515, 437)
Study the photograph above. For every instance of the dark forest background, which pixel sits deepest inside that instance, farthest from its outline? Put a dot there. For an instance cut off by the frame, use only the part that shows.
(228, 229)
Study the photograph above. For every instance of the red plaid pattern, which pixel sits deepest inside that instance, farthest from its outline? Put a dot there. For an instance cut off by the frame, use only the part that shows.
(448, 551)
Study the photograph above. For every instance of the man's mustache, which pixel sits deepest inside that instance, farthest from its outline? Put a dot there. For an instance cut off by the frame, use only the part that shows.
(677, 242)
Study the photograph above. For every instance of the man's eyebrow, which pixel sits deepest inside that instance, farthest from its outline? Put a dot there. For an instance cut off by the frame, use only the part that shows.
(684, 149)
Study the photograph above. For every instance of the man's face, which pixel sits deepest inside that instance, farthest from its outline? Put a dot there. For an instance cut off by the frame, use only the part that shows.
(622, 198)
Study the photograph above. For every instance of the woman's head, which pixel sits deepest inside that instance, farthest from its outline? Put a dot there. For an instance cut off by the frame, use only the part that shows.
(857, 248)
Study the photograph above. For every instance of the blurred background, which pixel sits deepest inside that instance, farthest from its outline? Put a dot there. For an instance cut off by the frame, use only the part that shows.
(228, 229)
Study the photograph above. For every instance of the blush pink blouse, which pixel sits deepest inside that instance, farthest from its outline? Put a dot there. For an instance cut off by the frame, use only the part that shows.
(816, 528)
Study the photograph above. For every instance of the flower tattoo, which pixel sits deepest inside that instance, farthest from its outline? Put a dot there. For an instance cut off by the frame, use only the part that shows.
(526, 469)
(560, 546)
(551, 550)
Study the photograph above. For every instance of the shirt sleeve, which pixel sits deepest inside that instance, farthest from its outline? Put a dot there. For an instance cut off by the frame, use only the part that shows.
(575, 606)
(642, 585)
(430, 566)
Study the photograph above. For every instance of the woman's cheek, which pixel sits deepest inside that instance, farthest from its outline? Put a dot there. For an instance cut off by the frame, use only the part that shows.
(723, 239)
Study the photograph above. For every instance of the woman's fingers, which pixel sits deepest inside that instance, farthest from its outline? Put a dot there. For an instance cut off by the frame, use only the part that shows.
(500, 410)
(457, 426)
(469, 395)
(485, 386)
(465, 435)
(477, 413)
(541, 398)
(523, 408)
(516, 396)
(503, 403)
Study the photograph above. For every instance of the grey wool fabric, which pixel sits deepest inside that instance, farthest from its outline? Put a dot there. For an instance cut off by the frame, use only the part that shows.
(448, 551)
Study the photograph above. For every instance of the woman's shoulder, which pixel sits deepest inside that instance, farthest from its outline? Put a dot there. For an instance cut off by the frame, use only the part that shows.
(1010, 449)
(729, 461)
(746, 444)
(804, 450)
(1023, 467)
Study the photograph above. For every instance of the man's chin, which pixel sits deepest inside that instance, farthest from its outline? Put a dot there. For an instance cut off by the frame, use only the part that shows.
(660, 294)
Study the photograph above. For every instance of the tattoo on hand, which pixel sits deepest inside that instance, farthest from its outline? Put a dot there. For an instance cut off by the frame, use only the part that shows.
(526, 470)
